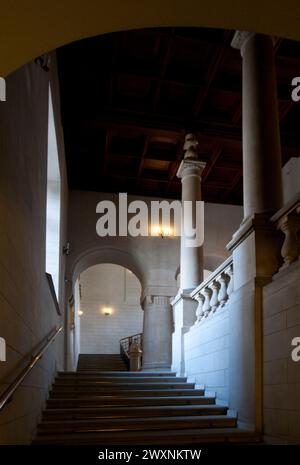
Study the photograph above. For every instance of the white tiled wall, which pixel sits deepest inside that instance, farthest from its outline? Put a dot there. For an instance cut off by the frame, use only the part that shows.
(281, 373)
(207, 353)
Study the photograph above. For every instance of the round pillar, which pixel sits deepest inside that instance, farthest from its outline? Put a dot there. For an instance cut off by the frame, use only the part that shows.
(191, 257)
(261, 138)
(157, 337)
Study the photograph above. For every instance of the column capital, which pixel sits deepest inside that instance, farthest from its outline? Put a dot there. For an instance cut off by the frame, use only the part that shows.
(196, 166)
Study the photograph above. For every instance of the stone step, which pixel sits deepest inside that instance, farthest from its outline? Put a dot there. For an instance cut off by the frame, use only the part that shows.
(132, 424)
(170, 437)
(128, 401)
(132, 412)
(99, 385)
(125, 393)
(67, 380)
(135, 374)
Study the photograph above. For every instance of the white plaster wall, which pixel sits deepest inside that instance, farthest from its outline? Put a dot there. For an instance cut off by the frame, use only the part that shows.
(111, 286)
(281, 323)
(27, 312)
(155, 259)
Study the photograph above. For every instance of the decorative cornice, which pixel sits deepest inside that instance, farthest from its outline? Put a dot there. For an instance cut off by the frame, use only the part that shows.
(256, 222)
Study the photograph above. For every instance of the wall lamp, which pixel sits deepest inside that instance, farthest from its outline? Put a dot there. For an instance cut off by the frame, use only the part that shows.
(107, 311)
(66, 249)
(162, 231)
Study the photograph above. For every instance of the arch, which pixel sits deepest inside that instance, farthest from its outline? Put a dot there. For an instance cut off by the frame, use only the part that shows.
(101, 255)
(32, 28)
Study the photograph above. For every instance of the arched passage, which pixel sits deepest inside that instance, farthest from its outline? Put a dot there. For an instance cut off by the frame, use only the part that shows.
(106, 255)
(109, 307)
(88, 265)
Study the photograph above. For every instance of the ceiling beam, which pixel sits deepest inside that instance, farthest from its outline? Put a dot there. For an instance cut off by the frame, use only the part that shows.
(166, 59)
(213, 67)
(211, 163)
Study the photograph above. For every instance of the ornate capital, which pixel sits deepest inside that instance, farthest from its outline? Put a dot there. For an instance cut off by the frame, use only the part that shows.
(157, 300)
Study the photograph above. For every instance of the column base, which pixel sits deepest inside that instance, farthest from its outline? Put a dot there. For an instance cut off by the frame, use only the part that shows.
(156, 367)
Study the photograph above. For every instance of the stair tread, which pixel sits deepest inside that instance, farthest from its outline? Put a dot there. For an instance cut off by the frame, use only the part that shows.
(137, 408)
(142, 420)
(180, 436)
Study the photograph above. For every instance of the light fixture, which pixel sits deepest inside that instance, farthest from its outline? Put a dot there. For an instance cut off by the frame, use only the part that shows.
(162, 231)
(107, 311)
(44, 62)
(66, 249)
(80, 312)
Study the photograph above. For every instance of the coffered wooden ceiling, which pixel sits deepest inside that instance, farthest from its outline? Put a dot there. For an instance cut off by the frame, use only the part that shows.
(128, 99)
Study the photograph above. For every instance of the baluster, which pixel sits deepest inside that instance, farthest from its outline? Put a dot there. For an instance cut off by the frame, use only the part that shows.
(206, 306)
(214, 302)
(289, 225)
(223, 295)
(229, 272)
(199, 312)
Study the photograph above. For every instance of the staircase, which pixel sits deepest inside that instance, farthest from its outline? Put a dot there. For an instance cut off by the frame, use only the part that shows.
(98, 406)
(111, 362)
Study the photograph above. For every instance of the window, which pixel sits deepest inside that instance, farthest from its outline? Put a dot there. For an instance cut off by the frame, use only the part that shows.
(53, 202)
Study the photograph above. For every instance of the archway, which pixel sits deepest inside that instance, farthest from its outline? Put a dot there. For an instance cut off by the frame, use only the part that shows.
(91, 309)
(49, 25)
(109, 308)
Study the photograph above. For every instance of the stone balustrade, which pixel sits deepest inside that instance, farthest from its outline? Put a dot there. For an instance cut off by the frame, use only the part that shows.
(287, 220)
(214, 292)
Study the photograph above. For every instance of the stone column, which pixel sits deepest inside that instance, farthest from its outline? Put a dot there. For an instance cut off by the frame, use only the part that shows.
(261, 137)
(191, 258)
(157, 332)
(255, 246)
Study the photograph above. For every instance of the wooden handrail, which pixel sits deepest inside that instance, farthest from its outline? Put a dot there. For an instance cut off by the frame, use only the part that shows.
(9, 392)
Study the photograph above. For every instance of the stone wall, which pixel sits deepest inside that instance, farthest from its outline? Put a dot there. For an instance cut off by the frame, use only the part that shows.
(207, 353)
(281, 323)
(27, 312)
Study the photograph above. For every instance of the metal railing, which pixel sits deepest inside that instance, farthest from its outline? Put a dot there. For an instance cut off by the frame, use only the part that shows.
(126, 342)
(9, 392)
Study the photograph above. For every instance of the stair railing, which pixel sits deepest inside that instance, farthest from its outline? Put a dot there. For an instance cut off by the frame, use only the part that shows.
(7, 395)
(213, 293)
(125, 344)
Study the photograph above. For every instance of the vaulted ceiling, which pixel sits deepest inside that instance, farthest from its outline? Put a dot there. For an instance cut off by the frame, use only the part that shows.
(128, 99)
